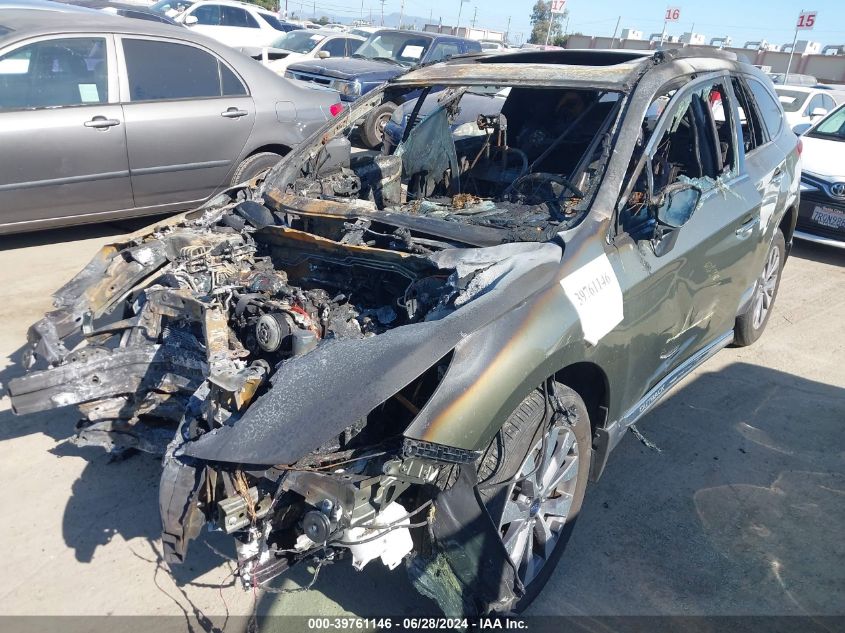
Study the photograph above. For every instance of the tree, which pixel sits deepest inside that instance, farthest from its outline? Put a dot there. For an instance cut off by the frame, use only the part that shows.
(323, 20)
(541, 14)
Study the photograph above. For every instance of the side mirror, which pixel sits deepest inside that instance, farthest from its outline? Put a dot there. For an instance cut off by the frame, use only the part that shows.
(676, 204)
(190, 19)
(818, 112)
(323, 54)
(801, 128)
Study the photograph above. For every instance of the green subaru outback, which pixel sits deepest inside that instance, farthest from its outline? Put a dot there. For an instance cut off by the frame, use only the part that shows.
(423, 356)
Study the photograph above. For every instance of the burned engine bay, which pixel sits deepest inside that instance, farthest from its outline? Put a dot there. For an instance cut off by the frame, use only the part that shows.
(275, 345)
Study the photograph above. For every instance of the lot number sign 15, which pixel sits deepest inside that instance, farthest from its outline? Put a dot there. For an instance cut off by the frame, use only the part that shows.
(673, 14)
(558, 6)
(806, 20)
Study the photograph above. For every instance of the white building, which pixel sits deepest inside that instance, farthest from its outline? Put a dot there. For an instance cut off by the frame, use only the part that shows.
(694, 39)
(632, 34)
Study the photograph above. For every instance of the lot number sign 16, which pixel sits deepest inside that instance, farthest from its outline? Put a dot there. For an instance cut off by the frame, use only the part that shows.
(806, 20)
(673, 14)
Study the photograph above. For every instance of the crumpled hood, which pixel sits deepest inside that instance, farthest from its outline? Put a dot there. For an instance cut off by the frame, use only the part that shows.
(316, 396)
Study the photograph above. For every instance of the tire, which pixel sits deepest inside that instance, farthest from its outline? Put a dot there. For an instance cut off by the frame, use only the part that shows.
(255, 165)
(750, 324)
(515, 449)
(372, 129)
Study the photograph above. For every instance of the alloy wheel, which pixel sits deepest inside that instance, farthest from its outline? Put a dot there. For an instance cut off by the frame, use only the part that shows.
(766, 286)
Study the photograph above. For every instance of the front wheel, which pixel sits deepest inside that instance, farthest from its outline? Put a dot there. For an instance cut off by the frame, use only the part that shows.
(543, 459)
(751, 323)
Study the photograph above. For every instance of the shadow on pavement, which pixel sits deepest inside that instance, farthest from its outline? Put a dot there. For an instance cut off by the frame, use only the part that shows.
(740, 513)
(818, 253)
(74, 233)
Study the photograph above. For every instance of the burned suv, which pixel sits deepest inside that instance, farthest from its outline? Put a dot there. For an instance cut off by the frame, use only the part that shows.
(424, 356)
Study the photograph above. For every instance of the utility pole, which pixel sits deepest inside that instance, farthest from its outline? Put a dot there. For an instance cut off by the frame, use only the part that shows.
(508, 30)
(460, 8)
(382, 11)
(613, 39)
(401, 13)
(362, 9)
(792, 51)
(314, 9)
(474, 14)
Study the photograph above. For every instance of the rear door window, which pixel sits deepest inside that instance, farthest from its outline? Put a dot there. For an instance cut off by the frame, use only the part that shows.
(234, 16)
(208, 15)
(167, 71)
(57, 72)
(768, 106)
(750, 121)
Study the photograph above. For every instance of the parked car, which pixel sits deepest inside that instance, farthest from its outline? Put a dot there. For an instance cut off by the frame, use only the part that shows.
(171, 8)
(387, 53)
(425, 356)
(236, 24)
(365, 31)
(104, 117)
(302, 45)
(123, 9)
(821, 216)
(807, 105)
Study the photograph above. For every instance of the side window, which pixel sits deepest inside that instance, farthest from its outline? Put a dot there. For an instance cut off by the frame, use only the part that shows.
(815, 102)
(50, 73)
(444, 50)
(829, 103)
(208, 14)
(165, 70)
(695, 148)
(768, 106)
(351, 46)
(750, 123)
(335, 47)
(234, 16)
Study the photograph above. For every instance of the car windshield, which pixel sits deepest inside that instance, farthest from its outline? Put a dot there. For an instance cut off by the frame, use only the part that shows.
(403, 48)
(791, 100)
(298, 41)
(163, 6)
(831, 127)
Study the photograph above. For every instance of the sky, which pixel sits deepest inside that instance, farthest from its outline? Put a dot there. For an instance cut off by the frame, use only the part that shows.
(772, 20)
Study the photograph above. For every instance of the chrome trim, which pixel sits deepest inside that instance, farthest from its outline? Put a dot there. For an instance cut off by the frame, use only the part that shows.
(144, 171)
(809, 237)
(67, 180)
(656, 393)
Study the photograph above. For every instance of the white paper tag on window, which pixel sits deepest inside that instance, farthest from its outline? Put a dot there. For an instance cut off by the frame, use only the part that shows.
(594, 291)
(412, 51)
(88, 93)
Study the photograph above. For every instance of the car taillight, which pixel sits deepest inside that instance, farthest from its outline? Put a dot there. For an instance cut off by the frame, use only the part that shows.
(336, 108)
(800, 146)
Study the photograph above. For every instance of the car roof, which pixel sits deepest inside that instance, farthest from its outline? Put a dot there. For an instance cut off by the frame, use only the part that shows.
(604, 69)
(48, 18)
(236, 3)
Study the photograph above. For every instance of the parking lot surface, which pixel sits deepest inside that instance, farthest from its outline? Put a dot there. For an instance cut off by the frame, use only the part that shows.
(740, 512)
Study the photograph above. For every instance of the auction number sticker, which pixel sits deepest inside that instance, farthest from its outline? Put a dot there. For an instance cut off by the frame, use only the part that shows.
(594, 291)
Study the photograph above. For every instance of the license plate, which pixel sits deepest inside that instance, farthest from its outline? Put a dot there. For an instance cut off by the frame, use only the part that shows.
(828, 217)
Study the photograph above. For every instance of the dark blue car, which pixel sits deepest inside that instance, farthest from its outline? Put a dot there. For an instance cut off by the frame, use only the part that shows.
(385, 55)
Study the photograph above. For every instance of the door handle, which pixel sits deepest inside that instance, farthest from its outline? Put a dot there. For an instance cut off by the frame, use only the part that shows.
(777, 177)
(745, 230)
(233, 113)
(101, 122)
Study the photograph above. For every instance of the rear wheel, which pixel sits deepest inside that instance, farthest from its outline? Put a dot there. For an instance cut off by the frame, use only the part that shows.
(751, 323)
(543, 460)
(372, 129)
(255, 165)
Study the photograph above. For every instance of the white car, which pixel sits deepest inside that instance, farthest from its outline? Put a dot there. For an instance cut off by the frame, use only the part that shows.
(821, 214)
(301, 45)
(803, 104)
(236, 24)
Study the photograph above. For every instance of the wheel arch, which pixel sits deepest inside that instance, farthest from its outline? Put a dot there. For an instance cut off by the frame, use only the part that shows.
(590, 382)
(276, 148)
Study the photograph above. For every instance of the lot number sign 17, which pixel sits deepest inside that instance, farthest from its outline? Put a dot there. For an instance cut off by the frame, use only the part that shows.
(673, 14)
(806, 20)
(558, 6)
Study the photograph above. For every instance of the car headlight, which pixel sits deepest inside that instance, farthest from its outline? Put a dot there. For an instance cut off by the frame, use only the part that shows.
(289, 75)
(467, 130)
(347, 88)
